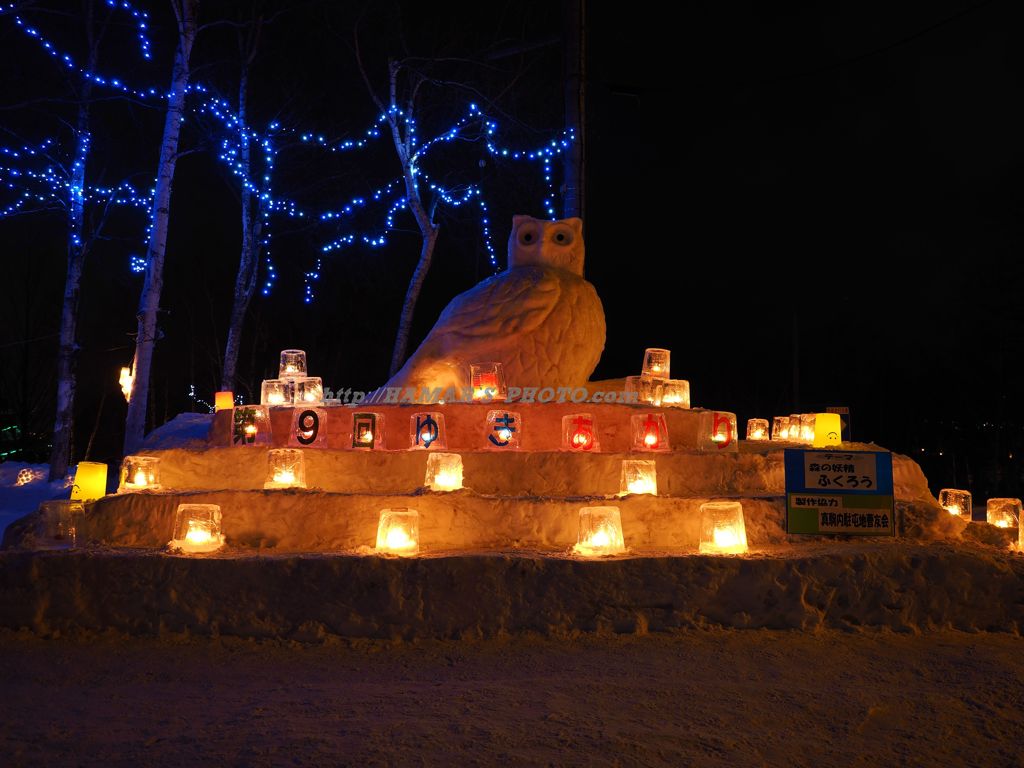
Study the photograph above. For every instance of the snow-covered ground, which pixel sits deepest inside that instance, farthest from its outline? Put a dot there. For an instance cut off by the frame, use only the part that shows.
(19, 500)
(730, 698)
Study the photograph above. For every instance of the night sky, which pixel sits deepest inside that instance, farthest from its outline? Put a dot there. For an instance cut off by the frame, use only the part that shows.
(831, 215)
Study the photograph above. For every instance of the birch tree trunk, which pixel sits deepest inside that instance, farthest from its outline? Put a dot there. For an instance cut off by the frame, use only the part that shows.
(149, 303)
(248, 264)
(67, 355)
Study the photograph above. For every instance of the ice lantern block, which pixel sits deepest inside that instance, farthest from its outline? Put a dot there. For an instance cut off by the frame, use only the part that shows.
(444, 472)
(139, 473)
(656, 363)
(309, 391)
(197, 528)
(398, 532)
(277, 392)
(504, 430)
(675, 393)
(579, 433)
(600, 532)
(828, 430)
(794, 428)
(293, 364)
(956, 502)
(757, 429)
(807, 422)
(649, 391)
(650, 432)
(90, 481)
(780, 428)
(223, 401)
(1003, 513)
(487, 381)
(718, 432)
(638, 476)
(309, 428)
(251, 425)
(368, 431)
(722, 531)
(426, 431)
(286, 468)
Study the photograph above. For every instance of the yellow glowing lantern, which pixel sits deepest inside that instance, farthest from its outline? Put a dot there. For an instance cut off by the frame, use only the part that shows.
(488, 381)
(286, 468)
(293, 364)
(90, 481)
(309, 391)
(757, 429)
(638, 476)
(718, 432)
(1003, 513)
(276, 392)
(139, 473)
(600, 532)
(126, 379)
(223, 401)
(649, 431)
(656, 363)
(444, 472)
(398, 532)
(675, 393)
(828, 429)
(579, 433)
(722, 531)
(956, 502)
(780, 428)
(197, 528)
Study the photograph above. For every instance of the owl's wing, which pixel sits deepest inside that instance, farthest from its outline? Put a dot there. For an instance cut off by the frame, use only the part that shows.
(511, 303)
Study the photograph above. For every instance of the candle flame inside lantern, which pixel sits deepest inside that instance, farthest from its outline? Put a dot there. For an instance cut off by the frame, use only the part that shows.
(447, 481)
(651, 439)
(291, 368)
(642, 485)
(284, 476)
(505, 434)
(250, 429)
(600, 538)
(140, 478)
(581, 439)
(275, 398)
(397, 538)
(726, 537)
(197, 534)
(758, 434)
(953, 509)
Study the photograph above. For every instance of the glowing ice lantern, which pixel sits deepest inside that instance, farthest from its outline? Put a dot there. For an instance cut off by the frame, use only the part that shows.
(487, 381)
(504, 430)
(638, 476)
(139, 473)
(722, 531)
(579, 433)
(650, 432)
(956, 502)
(807, 422)
(309, 428)
(600, 532)
(398, 532)
(277, 392)
(426, 431)
(718, 432)
(656, 363)
(1003, 513)
(675, 393)
(828, 429)
(780, 428)
(309, 391)
(251, 425)
(293, 364)
(368, 430)
(90, 481)
(757, 429)
(286, 468)
(197, 528)
(794, 428)
(641, 390)
(223, 401)
(444, 472)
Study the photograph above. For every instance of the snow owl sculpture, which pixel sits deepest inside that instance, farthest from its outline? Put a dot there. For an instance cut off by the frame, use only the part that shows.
(539, 318)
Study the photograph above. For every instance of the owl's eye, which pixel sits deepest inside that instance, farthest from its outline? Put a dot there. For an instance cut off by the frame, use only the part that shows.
(528, 235)
(562, 236)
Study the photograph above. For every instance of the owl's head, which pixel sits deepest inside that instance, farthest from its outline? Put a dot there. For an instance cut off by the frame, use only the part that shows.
(546, 243)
